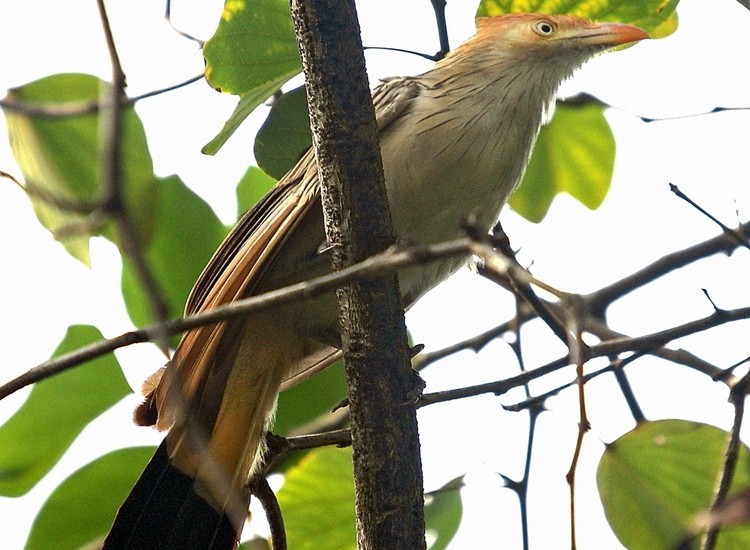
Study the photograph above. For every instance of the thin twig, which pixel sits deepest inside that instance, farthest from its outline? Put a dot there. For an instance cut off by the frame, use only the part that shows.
(270, 503)
(740, 239)
(521, 286)
(82, 108)
(180, 32)
(375, 266)
(737, 396)
(618, 367)
(111, 163)
(576, 352)
(693, 115)
(442, 26)
(599, 300)
(537, 401)
(616, 346)
(430, 57)
(520, 488)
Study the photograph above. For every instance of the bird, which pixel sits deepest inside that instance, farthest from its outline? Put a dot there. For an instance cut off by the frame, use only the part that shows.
(455, 142)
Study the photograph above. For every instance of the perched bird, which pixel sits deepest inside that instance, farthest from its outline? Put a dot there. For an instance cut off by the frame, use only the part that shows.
(455, 142)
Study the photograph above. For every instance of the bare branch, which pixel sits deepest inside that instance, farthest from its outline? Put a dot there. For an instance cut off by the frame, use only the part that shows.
(648, 343)
(111, 170)
(267, 498)
(740, 238)
(81, 108)
(737, 397)
(386, 262)
(599, 300)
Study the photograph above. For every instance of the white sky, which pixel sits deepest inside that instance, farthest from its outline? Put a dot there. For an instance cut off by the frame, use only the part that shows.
(43, 291)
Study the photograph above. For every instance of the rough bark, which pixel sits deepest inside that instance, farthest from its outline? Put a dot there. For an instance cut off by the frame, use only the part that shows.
(385, 440)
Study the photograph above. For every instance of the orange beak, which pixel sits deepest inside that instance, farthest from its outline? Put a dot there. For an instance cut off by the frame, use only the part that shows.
(613, 34)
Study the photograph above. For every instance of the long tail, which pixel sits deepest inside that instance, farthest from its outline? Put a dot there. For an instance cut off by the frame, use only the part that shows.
(192, 495)
(165, 512)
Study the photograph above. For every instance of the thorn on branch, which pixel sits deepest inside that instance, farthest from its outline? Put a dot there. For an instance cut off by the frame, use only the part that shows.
(736, 235)
(717, 309)
(518, 487)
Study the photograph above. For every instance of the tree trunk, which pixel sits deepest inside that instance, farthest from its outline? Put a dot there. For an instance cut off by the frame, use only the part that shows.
(385, 440)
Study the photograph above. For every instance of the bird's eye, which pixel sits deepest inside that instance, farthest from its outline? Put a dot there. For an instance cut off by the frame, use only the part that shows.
(544, 28)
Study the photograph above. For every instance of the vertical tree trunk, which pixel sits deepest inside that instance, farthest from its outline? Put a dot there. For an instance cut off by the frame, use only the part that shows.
(387, 465)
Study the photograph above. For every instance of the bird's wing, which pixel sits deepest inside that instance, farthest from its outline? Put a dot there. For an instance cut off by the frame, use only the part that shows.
(390, 99)
(238, 266)
(232, 273)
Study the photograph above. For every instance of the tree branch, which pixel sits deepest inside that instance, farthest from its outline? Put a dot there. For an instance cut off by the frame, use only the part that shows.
(111, 172)
(384, 263)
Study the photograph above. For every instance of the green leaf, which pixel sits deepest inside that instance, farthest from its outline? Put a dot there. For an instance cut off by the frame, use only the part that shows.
(656, 478)
(187, 233)
(285, 135)
(81, 509)
(56, 411)
(317, 501)
(442, 511)
(650, 15)
(252, 53)
(575, 153)
(61, 161)
(251, 188)
(310, 399)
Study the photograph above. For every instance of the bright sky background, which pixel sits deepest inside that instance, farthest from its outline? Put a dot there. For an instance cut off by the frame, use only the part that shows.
(42, 290)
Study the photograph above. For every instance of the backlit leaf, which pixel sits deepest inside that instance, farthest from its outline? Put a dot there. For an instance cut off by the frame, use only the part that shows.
(575, 153)
(654, 480)
(61, 161)
(317, 501)
(285, 135)
(650, 15)
(56, 411)
(82, 508)
(252, 53)
(187, 233)
(442, 513)
(254, 184)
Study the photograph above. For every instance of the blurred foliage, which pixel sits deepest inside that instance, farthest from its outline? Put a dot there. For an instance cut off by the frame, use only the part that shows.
(34, 439)
(60, 158)
(80, 511)
(657, 478)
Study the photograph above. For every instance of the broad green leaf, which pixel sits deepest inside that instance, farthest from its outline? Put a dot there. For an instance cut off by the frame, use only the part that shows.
(252, 53)
(317, 501)
(575, 153)
(187, 233)
(56, 411)
(310, 399)
(81, 509)
(251, 188)
(656, 478)
(61, 161)
(285, 135)
(442, 513)
(650, 15)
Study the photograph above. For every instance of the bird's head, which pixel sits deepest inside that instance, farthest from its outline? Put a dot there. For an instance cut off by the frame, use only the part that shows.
(536, 37)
